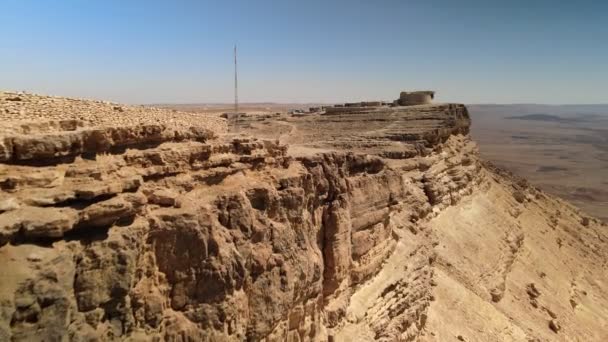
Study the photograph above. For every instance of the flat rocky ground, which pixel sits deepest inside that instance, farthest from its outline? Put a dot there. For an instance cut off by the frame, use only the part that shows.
(17, 109)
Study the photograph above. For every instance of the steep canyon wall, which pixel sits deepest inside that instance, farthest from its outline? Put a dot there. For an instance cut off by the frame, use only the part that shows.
(161, 231)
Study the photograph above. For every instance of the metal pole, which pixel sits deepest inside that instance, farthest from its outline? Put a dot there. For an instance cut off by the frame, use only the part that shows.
(236, 91)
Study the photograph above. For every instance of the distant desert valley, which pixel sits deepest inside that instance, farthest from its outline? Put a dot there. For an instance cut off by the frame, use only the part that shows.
(561, 149)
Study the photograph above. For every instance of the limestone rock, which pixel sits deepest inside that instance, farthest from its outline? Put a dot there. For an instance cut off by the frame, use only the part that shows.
(376, 223)
(554, 325)
(8, 204)
(163, 197)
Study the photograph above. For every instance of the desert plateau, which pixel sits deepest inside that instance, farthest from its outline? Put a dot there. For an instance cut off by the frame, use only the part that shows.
(366, 221)
(318, 171)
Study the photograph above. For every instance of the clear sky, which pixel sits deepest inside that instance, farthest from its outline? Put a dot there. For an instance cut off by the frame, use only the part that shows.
(307, 51)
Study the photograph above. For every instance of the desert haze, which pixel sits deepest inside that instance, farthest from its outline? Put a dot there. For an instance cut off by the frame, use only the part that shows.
(561, 149)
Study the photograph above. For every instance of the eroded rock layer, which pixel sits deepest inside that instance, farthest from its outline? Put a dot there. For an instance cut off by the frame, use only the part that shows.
(321, 227)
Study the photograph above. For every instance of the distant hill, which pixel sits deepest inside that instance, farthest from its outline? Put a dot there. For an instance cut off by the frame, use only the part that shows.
(542, 117)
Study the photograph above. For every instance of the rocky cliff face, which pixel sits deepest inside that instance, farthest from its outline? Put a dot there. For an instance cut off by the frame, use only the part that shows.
(327, 227)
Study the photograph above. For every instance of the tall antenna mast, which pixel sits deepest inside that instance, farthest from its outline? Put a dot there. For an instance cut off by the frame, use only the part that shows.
(236, 89)
(236, 94)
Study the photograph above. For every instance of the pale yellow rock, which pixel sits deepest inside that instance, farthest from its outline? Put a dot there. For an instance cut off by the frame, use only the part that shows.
(371, 223)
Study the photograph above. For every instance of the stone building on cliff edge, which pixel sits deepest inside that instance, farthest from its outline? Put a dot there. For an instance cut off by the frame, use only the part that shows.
(415, 98)
(405, 99)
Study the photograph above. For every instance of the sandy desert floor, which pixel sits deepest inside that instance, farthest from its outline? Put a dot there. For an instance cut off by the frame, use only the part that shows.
(561, 149)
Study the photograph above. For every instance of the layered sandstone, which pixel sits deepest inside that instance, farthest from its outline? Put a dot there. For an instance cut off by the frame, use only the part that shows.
(122, 222)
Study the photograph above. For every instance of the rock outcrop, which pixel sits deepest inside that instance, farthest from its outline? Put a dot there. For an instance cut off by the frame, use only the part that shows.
(119, 225)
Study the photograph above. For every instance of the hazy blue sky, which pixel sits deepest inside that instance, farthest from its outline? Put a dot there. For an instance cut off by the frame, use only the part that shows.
(307, 51)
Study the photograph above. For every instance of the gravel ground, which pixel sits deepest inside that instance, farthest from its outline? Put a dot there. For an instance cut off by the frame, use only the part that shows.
(20, 108)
